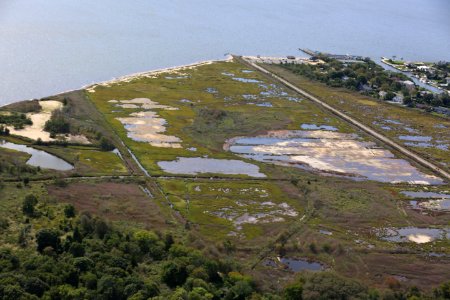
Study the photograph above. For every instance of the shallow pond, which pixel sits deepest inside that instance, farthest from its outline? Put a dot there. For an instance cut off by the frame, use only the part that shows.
(442, 205)
(295, 265)
(211, 90)
(414, 234)
(264, 104)
(246, 80)
(329, 152)
(145, 125)
(443, 147)
(176, 77)
(395, 122)
(437, 202)
(39, 158)
(325, 232)
(198, 165)
(426, 195)
(315, 127)
(415, 138)
(249, 97)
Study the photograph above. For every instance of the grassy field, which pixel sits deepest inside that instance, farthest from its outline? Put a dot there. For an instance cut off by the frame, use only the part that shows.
(291, 213)
(215, 207)
(391, 120)
(210, 118)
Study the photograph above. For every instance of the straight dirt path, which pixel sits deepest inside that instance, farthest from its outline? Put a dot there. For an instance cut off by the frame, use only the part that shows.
(356, 123)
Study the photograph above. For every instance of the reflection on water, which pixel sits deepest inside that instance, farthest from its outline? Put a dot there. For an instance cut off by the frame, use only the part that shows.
(146, 125)
(331, 152)
(425, 195)
(437, 202)
(294, 265)
(39, 158)
(414, 234)
(415, 138)
(197, 165)
(315, 127)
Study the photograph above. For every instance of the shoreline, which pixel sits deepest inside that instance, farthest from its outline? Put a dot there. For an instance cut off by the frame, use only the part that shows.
(138, 75)
(131, 77)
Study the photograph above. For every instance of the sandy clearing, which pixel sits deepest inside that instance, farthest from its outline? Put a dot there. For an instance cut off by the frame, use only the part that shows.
(36, 130)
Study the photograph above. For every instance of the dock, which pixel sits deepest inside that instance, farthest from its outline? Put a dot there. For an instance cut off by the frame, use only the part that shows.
(341, 57)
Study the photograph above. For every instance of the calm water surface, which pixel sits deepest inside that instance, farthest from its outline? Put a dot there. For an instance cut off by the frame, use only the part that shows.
(39, 158)
(48, 46)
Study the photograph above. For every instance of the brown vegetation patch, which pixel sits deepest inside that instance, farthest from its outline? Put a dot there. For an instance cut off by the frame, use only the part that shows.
(112, 201)
(418, 271)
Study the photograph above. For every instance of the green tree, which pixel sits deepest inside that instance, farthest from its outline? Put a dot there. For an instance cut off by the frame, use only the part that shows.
(28, 205)
(293, 291)
(35, 286)
(109, 288)
(47, 238)
(174, 273)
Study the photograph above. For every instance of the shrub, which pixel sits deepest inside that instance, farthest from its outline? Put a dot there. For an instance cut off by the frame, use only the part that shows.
(28, 205)
(106, 144)
(57, 124)
(69, 211)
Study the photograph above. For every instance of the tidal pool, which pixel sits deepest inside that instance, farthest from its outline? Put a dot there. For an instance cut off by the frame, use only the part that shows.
(415, 138)
(39, 158)
(414, 234)
(442, 205)
(325, 232)
(436, 202)
(246, 80)
(249, 97)
(425, 195)
(315, 127)
(228, 74)
(177, 77)
(198, 165)
(146, 125)
(394, 122)
(143, 103)
(211, 90)
(254, 212)
(329, 152)
(264, 104)
(443, 147)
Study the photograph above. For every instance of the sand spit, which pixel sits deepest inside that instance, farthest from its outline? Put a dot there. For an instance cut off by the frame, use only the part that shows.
(152, 74)
(329, 152)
